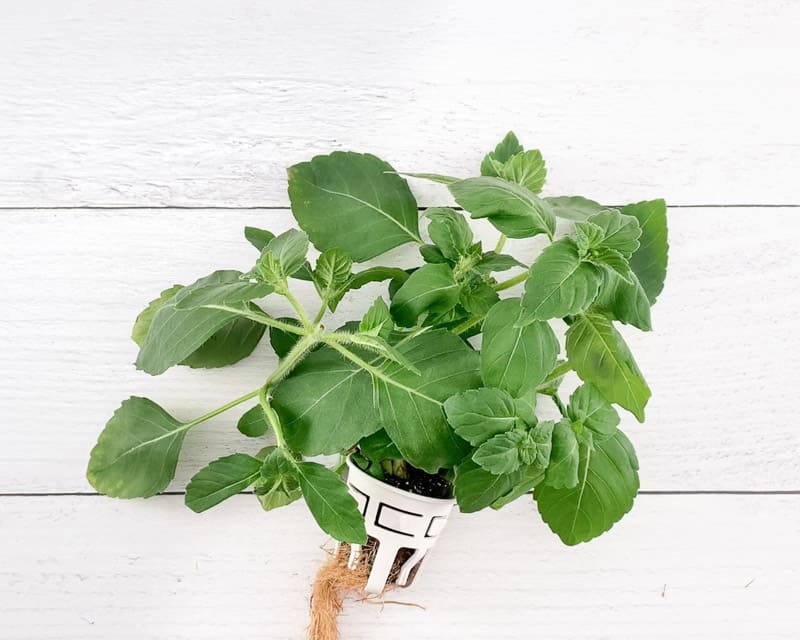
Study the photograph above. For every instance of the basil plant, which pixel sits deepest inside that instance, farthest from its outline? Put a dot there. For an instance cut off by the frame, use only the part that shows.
(444, 371)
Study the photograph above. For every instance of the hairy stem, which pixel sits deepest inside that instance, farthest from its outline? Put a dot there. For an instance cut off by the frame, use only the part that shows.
(261, 318)
(298, 309)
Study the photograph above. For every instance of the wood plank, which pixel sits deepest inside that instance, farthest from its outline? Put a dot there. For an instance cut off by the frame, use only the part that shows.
(685, 567)
(724, 361)
(202, 104)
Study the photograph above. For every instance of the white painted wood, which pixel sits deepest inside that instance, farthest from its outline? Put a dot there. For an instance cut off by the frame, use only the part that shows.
(689, 567)
(191, 103)
(723, 363)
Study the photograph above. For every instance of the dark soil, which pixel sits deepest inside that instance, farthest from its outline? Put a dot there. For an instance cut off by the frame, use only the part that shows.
(421, 483)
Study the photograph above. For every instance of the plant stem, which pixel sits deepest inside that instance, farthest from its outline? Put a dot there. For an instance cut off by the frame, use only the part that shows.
(320, 313)
(467, 324)
(501, 242)
(298, 309)
(272, 417)
(223, 408)
(261, 318)
(560, 405)
(561, 370)
(507, 284)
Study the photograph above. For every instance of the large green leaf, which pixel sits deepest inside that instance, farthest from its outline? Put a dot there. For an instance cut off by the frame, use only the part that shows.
(649, 262)
(560, 283)
(226, 291)
(137, 452)
(527, 169)
(478, 414)
(221, 479)
(530, 477)
(514, 210)
(174, 334)
(475, 488)
(514, 358)
(353, 201)
(430, 289)
(411, 405)
(325, 404)
(331, 504)
(599, 355)
(608, 483)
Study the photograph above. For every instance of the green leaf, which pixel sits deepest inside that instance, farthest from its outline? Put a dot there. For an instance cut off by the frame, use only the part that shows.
(531, 476)
(411, 405)
(526, 168)
(376, 274)
(588, 407)
(600, 356)
(450, 232)
(355, 202)
(430, 289)
(137, 452)
(511, 208)
(504, 151)
(259, 238)
(514, 358)
(325, 404)
(492, 262)
(562, 472)
(379, 446)
(253, 422)
(221, 479)
(649, 262)
(624, 301)
(431, 254)
(475, 488)
(501, 453)
(175, 334)
(535, 448)
(588, 236)
(283, 256)
(479, 414)
(560, 283)
(279, 483)
(613, 260)
(143, 321)
(574, 207)
(221, 293)
(608, 483)
(329, 501)
(332, 276)
(377, 321)
(478, 298)
(620, 232)
(283, 341)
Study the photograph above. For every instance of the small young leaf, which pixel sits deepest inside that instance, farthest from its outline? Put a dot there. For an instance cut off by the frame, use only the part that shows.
(599, 355)
(526, 168)
(507, 148)
(478, 414)
(449, 231)
(478, 298)
(620, 232)
(329, 501)
(221, 479)
(512, 209)
(253, 422)
(562, 472)
(574, 208)
(259, 238)
(283, 256)
(137, 452)
(430, 289)
(560, 283)
(535, 448)
(283, 341)
(332, 276)
(501, 453)
(588, 236)
(492, 262)
(649, 261)
(607, 484)
(624, 301)
(431, 254)
(353, 201)
(588, 406)
(278, 484)
(515, 358)
(614, 260)
(376, 274)
(377, 321)
(379, 446)
(475, 488)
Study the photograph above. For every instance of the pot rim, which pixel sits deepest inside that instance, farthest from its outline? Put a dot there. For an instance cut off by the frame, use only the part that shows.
(352, 467)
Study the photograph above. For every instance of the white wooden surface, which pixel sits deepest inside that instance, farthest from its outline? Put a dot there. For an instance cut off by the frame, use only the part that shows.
(151, 107)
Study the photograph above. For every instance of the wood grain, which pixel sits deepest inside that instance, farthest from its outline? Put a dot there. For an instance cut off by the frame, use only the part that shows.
(117, 105)
(676, 567)
(723, 361)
